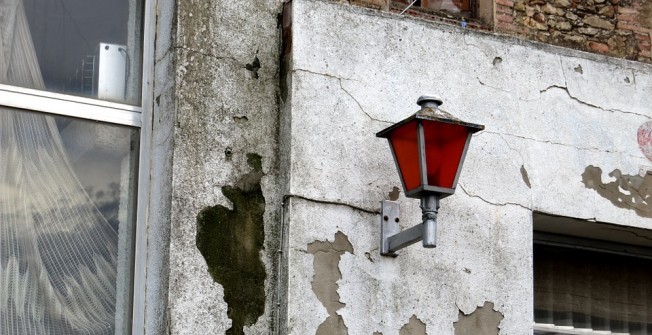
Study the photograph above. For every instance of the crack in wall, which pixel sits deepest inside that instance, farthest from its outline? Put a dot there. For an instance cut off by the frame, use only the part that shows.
(631, 192)
(558, 143)
(360, 106)
(326, 262)
(572, 97)
(489, 202)
(339, 79)
(331, 202)
(322, 74)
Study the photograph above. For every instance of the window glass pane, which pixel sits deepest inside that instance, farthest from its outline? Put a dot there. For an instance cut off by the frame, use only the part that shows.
(591, 291)
(67, 191)
(89, 48)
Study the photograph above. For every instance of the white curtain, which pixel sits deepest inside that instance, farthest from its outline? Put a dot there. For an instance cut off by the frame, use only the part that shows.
(57, 252)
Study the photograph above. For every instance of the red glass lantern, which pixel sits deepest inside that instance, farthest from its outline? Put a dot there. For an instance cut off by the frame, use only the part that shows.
(429, 149)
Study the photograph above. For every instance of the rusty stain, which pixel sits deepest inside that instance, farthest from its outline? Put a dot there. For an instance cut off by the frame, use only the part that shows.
(483, 321)
(326, 262)
(413, 327)
(644, 136)
(526, 178)
(627, 191)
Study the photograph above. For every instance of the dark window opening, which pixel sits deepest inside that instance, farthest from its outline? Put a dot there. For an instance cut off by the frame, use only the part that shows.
(591, 277)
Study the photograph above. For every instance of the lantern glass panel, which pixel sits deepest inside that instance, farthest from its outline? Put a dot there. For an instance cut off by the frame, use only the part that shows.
(404, 144)
(444, 144)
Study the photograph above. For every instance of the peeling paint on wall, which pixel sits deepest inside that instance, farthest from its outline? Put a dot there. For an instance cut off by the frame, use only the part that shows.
(231, 242)
(326, 262)
(629, 192)
(483, 321)
(254, 66)
(413, 327)
(394, 193)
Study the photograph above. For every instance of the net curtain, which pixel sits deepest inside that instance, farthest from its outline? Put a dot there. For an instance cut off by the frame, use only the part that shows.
(57, 251)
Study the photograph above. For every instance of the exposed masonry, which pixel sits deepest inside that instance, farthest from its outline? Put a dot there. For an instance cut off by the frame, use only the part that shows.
(483, 321)
(627, 191)
(326, 261)
(619, 28)
(413, 327)
(231, 242)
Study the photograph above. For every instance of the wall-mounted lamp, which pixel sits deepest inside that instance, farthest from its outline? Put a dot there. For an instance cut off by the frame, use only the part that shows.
(429, 148)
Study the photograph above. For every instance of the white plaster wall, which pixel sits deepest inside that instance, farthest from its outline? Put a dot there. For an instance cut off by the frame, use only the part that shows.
(220, 106)
(356, 71)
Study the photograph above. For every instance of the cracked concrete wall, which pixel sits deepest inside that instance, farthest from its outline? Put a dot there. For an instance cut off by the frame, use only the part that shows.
(226, 99)
(549, 113)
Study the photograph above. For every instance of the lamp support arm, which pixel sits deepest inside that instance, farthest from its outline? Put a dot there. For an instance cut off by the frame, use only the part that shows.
(393, 239)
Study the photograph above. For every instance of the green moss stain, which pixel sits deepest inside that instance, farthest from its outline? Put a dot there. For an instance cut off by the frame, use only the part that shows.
(231, 241)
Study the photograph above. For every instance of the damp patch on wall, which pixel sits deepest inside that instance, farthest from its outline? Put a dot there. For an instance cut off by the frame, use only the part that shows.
(230, 240)
(633, 192)
(483, 321)
(326, 263)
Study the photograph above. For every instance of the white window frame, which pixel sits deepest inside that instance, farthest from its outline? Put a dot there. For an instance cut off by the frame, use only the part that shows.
(57, 104)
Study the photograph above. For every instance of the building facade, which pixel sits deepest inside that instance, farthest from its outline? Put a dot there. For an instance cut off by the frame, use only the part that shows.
(255, 190)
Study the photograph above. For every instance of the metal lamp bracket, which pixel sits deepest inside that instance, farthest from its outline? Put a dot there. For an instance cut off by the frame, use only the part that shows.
(393, 239)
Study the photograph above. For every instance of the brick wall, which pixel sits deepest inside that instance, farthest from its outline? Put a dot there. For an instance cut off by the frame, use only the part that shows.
(619, 28)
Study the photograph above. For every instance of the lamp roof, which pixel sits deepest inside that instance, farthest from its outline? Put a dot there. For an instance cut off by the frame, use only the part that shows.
(430, 111)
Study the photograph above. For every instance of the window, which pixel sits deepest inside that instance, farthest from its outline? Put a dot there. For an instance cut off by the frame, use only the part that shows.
(590, 286)
(72, 157)
(478, 13)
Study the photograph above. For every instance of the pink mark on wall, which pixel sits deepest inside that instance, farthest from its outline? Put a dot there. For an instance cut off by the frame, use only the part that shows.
(645, 139)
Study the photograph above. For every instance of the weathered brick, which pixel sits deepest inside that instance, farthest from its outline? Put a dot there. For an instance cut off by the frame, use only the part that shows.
(627, 10)
(505, 3)
(505, 18)
(628, 17)
(381, 4)
(507, 27)
(634, 28)
(504, 10)
(598, 47)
